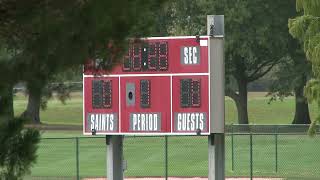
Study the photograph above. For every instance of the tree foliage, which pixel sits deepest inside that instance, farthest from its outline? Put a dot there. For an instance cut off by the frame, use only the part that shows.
(307, 29)
(58, 34)
(43, 38)
(289, 79)
(256, 38)
(18, 149)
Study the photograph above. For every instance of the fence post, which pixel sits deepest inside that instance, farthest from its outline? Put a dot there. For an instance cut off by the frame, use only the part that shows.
(232, 150)
(77, 157)
(251, 160)
(276, 146)
(166, 156)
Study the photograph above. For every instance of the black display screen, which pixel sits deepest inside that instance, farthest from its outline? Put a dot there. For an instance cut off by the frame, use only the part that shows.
(101, 94)
(185, 85)
(146, 57)
(190, 93)
(145, 93)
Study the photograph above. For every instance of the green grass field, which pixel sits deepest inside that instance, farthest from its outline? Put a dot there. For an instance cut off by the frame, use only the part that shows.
(298, 155)
(260, 112)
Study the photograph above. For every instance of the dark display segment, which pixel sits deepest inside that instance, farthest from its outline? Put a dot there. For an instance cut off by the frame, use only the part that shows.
(101, 94)
(163, 56)
(145, 93)
(152, 59)
(146, 57)
(127, 61)
(190, 93)
(144, 61)
(97, 88)
(185, 92)
(108, 94)
(195, 93)
(137, 57)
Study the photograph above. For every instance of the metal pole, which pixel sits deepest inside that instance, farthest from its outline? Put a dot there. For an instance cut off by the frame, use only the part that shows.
(77, 157)
(166, 157)
(216, 140)
(114, 157)
(232, 149)
(251, 160)
(216, 157)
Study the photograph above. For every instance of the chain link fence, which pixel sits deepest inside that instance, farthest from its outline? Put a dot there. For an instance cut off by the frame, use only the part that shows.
(280, 151)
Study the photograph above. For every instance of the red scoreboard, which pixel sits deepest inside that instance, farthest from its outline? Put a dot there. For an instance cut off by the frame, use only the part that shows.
(162, 87)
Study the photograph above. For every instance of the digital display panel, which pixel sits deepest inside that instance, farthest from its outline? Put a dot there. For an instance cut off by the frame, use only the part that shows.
(161, 87)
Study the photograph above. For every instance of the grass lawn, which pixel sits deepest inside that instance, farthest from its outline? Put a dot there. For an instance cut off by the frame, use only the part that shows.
(56, 113)
(260, 112)
(298, 157)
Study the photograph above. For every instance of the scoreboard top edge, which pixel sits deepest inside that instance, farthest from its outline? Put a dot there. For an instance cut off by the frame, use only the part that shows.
(174, 37)
(158, 55)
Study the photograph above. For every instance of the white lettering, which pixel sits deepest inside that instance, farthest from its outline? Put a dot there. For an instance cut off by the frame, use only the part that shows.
(134, 121)
(150, 121)
(92, 121)
(190, 121)
(138, 121)
(145, 122)
(185, 59)
(111, 122)
(190, 55)
(197, 120)
(184, 124)
(102, 122)
(194, 52)
(97, 122)
(179, 122)
(155, 123)
(201, 121)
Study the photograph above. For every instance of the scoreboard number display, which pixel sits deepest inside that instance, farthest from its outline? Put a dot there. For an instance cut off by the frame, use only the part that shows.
(162, 87)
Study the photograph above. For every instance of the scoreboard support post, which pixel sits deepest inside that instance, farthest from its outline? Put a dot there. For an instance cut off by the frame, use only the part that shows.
(164, 86)
(216, 140)
(114, 157)
(216, 157)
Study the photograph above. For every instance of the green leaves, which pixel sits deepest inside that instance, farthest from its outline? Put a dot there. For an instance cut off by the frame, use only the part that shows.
(51, 36)
(18, 149)
(56, 35)
(309, 7)
(307, 29)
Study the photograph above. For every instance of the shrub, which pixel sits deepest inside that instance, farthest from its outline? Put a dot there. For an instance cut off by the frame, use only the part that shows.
(18, 148)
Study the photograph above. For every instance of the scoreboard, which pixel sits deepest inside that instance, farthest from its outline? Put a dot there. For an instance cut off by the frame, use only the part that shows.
(161, 87)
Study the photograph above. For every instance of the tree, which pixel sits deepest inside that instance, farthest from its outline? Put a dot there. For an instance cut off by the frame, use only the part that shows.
(307, 29)
(51, 36)
(43, 89)
(256, 39)
(58, 84)
(6, 85)
(39, 39)
(291, 76)
(18, 149)
(188, 17)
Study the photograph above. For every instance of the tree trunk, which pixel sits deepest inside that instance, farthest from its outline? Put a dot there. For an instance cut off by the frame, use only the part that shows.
(32, 112)
(301, 115)
(242, 102)
(6, 102)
